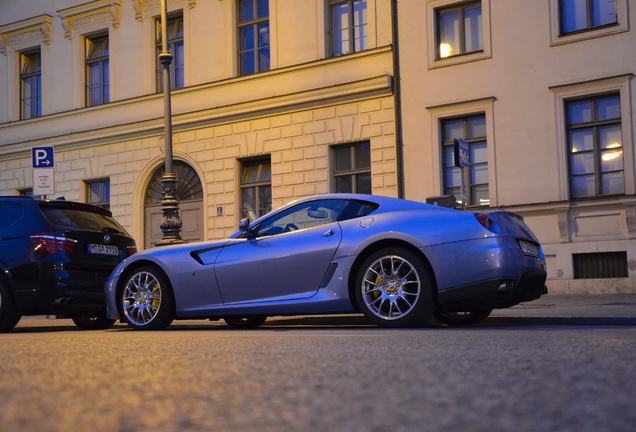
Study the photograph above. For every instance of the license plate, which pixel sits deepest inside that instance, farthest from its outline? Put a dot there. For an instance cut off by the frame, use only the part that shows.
(100, 249)
(529, 248)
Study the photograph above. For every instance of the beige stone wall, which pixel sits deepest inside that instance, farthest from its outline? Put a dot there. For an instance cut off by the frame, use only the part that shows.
(297, 141)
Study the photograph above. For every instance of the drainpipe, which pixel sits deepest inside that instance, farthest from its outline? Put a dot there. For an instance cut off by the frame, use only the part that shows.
(397, 96)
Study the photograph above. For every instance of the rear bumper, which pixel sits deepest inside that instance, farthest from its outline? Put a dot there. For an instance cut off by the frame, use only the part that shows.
(56, 290)
(495, 293)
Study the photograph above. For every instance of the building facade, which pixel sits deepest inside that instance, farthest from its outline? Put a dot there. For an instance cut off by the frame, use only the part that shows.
(273, 100)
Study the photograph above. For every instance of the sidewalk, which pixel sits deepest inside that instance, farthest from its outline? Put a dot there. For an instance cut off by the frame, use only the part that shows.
(609, 310)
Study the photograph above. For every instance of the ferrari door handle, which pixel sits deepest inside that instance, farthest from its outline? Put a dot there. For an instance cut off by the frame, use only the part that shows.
(328, 233)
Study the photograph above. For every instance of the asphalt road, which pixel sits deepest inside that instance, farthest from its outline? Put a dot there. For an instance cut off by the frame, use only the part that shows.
(200, 376)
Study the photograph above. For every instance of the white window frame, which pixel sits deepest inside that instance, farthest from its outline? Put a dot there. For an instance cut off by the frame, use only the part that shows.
(555, 26)
(82, 22)
(19, 37)
(433, 61)
(619, 84)
(462, 109)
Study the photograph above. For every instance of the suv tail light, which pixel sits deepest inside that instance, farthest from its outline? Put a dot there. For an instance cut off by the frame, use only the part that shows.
(131, 250)
(49, 243)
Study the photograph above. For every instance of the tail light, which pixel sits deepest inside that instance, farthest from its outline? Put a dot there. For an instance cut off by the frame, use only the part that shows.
(483, 219)
(131, 250)
(49, 243)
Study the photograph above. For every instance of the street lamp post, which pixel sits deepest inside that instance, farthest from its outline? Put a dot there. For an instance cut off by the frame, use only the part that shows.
(170, 221)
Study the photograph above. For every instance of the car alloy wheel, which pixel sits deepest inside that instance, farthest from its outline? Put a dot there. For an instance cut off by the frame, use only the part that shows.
(146, 300)
(394, 289)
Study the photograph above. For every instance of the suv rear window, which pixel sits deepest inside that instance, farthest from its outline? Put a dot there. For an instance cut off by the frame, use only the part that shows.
(62, 218)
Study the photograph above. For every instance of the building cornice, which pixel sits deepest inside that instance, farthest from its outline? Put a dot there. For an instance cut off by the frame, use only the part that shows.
(89, 14)
(36, 29)
(153, 7)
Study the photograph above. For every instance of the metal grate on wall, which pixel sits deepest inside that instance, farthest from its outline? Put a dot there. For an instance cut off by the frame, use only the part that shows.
(600, 265)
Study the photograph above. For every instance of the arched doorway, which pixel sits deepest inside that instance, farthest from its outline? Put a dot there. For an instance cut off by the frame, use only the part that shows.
(190, 193)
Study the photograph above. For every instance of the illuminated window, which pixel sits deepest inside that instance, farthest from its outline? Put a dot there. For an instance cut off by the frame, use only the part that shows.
(30, 85)
(175, 46)
(253, 36)
(348, 26)
(352, 168)
(595, 146)
(97, 70)
(459, 29)
(256, 188)
(473, 129)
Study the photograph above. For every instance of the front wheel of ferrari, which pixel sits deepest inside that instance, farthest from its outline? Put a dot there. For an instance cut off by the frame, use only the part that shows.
(146, 299)
(394, 288)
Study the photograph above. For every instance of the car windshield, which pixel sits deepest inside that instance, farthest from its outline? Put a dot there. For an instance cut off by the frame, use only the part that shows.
(62, 218)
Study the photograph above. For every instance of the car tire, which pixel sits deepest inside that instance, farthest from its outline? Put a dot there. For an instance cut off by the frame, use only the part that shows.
(394, 288)
(462, 319)
(247, 322)
(146, 299)
(9, 315)
(93, 322)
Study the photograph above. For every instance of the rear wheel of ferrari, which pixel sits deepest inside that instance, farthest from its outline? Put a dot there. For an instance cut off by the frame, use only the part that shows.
(146, 300)
(462, 319)
(395, 289)
(247, 322)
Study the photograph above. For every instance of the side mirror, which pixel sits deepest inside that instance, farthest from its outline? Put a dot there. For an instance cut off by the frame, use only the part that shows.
(244, 228)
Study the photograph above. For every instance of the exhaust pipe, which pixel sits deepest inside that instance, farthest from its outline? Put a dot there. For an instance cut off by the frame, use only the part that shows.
(62, 301)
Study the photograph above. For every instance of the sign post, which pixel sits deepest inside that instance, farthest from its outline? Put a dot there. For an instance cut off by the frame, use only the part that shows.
(462, 160)
(43, 163)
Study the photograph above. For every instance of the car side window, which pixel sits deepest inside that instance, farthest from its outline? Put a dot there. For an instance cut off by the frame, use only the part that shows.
(303, 216)
(10, 214)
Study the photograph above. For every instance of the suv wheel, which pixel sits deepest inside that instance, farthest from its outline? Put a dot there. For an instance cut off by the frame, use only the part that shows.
(9, 316)
(93, 322)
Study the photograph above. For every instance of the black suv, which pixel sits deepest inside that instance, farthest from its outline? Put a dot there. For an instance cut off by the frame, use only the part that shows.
(54, 259)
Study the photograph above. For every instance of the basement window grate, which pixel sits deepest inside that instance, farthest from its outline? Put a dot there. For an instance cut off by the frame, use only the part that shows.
(600, 265)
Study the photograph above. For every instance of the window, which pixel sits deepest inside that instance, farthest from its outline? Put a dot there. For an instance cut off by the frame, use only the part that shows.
(97, 71)
(459, 29)
(314, 213)
(352, 168)
(600, 265)
(30, 85)
(98, 193)
(582, 15)
(595, 146)
(253, 36)
(175, 46)
(256, 188)
(348, 30)
(473, 129)
(577, 20)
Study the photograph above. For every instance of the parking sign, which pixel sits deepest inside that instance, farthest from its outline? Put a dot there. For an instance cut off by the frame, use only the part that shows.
(42, 157)
(43, 162)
